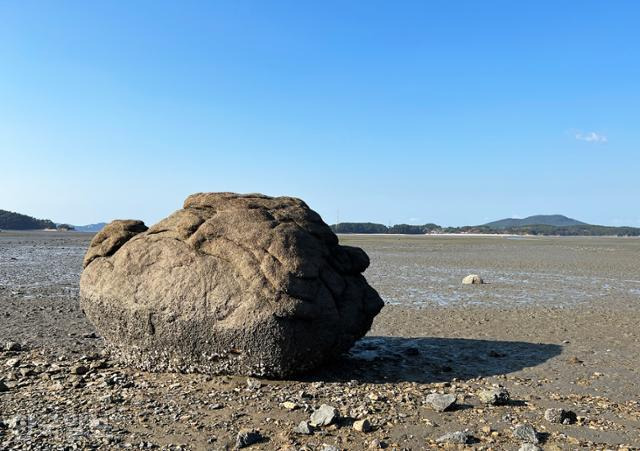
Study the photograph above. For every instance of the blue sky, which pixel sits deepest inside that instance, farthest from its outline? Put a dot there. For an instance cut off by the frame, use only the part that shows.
(448, 112)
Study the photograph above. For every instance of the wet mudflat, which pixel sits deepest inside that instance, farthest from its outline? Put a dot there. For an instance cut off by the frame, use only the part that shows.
(556, 326)
(546, 271)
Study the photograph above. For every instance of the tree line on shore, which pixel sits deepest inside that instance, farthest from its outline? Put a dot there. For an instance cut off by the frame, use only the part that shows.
(15, 221)
(541, 229)
(10, 220)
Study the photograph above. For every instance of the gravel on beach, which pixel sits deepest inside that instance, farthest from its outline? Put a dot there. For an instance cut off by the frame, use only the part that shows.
(59, 389)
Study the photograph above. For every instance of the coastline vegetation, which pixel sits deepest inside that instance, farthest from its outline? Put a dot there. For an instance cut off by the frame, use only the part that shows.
(10, 220)
(535, 229)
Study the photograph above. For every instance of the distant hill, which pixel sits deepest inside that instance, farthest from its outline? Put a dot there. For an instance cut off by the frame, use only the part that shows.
(546, 225)
(91, 228)
(549, 220)
(15, 221)
(359, 227)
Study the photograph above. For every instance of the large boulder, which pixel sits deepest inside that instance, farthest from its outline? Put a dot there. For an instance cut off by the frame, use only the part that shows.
(242, 284)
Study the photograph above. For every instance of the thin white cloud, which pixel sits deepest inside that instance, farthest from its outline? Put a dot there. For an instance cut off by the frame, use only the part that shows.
(591, 137)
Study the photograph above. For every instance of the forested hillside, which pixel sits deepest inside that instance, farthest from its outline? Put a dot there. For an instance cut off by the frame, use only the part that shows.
(16, 221)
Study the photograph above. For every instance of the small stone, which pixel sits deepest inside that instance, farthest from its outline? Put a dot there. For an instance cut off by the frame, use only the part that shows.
(57, 386)
(324, 416)
(16, 422)
(79, 370)
(253, 384)
(289, 405)
(12, 346)
(459, 437)
(495, 396)
(98, 365)
(529, 447)
(486, 430)
(526, 433)
(362, 425)
(99, 425)
(303, 428)
(12, 363)
(440, 403)
(247, 437)
(560, 416)
(573, 440)
(326, 447)
(472, 279)
(376, 444)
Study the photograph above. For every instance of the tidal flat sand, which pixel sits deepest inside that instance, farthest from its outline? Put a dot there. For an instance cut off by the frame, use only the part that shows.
(556, 325)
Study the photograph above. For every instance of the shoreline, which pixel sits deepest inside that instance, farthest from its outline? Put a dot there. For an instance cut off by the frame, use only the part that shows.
(479, 235)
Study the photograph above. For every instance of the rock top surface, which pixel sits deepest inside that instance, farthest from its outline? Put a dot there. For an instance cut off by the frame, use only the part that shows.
(244, 284)
(472, 279)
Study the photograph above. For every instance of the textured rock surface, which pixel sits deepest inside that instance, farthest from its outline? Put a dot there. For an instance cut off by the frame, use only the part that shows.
(231, 283)
(324, 416)
(526, 433)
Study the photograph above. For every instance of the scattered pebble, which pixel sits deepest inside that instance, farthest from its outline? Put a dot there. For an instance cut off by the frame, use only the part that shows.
(289, 405)
(457, 437)
(529, 447)
(526, 433)
(303, 428)
(496, 396)
(17, 421)
(324, 416)
(12, 346)
(362, 425)
(248, 437)
(472, 279)
(560, 416)
(79, 370)
(253, 384)
(440, 403)
(12, 363)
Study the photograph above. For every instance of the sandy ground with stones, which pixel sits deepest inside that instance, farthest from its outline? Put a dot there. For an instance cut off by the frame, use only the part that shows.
(556, 327)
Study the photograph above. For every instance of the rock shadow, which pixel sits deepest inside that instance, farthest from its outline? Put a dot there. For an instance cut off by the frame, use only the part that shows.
(431, 359)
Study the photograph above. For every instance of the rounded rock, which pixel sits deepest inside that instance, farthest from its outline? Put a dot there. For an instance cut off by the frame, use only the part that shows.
(495, 396)
(472, 279)
(324, 416)
(229, 284)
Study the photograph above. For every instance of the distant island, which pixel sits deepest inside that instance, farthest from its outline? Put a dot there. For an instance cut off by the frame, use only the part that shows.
(90, 228)
(553, 225)
(16, 221)
(10, 220)
(548, 220)
(546, 225)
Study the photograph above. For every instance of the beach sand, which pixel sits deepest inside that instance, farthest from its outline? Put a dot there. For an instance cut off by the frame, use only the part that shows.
(566, 338)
